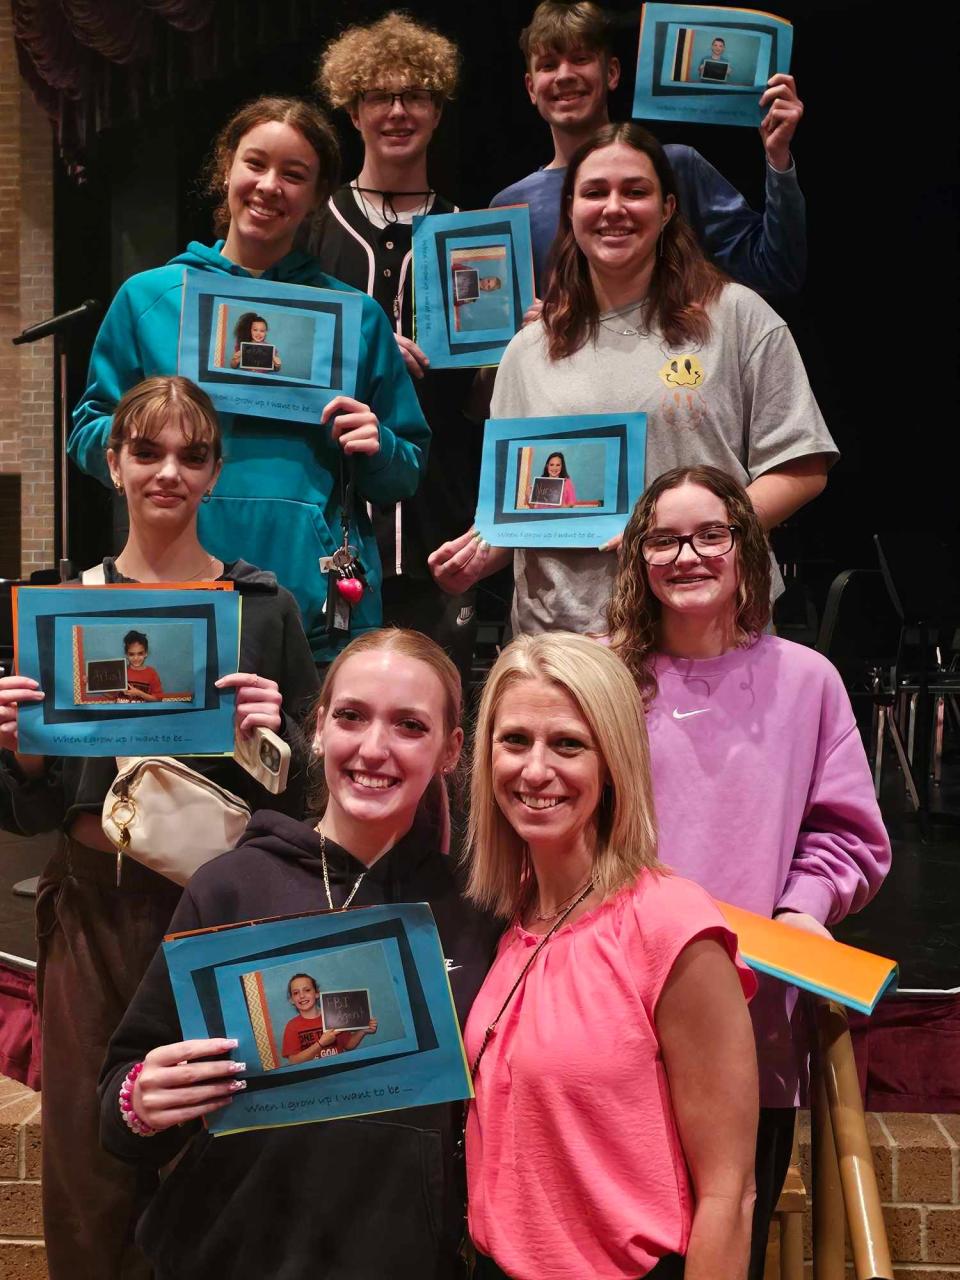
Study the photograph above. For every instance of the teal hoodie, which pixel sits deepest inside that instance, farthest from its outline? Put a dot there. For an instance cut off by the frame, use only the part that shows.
(277, 502)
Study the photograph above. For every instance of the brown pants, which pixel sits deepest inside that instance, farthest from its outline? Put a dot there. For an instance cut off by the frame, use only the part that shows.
(95, 942)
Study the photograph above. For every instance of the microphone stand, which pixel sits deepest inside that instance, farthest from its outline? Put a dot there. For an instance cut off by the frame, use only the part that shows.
(55, 327)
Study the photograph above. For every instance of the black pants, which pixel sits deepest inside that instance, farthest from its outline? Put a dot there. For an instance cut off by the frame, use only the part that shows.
(669, 1268)
(774, 1146)
(95, 942)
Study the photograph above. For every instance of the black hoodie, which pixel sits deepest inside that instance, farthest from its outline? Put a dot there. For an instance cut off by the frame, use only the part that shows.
(367, 1199)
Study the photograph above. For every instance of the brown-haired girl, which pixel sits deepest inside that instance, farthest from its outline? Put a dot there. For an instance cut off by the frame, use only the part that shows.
(636, 320)
(372, 1196)
(762, 788)
(96, 936)
(273, 166)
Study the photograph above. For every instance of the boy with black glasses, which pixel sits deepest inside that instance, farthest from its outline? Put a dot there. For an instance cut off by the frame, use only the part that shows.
(392, 78)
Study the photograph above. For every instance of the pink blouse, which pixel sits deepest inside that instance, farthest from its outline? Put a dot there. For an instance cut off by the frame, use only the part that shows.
(574, 1163)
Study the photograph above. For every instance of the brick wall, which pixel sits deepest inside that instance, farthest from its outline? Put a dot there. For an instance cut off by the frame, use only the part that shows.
(917, 1159)
(22, 1255)
(26, 295)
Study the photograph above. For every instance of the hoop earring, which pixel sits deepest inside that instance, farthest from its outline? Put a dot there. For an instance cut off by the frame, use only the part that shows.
(118, 485)
(207, 496)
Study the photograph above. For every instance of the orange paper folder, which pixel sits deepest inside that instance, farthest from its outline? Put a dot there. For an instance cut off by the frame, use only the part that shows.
(848, 975)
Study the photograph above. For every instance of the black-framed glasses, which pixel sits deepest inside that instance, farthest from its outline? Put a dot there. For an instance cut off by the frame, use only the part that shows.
(663, 548)
(410, 99)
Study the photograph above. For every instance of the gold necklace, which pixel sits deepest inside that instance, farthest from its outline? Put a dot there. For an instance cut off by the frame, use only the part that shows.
(211, 561)
(326, 876)
(194, 577)
(583, 890)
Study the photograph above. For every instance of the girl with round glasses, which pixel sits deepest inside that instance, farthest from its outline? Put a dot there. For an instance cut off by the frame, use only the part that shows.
(762, 789)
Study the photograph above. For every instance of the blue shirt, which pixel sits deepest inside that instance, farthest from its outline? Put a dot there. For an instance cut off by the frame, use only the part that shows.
(766, 252)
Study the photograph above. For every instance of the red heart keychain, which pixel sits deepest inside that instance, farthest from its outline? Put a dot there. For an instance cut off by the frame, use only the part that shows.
(351, 589)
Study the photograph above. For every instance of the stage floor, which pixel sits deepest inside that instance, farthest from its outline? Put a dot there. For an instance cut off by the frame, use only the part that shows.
(915, 918)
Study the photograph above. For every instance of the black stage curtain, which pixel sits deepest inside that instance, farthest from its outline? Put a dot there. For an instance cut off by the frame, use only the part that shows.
(93, 64)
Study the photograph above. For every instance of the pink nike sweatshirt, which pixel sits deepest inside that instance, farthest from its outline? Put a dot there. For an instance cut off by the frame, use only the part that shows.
(764, 797)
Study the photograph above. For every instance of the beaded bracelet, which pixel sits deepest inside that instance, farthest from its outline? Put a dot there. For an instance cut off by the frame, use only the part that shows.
(130, 1117)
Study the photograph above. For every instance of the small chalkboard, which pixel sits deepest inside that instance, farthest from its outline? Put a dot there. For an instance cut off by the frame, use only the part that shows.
(466, 284)
(345, 1010)
(256, 355)
(714, 70)
(548, 490)
(107, 675)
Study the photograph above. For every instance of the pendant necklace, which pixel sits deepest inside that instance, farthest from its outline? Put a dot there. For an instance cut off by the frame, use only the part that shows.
(620, 315)
(326, 876)
(386, 202)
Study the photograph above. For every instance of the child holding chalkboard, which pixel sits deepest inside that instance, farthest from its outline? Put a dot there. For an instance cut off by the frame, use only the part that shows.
(251, 328)
(304, 1037)
(143, 682)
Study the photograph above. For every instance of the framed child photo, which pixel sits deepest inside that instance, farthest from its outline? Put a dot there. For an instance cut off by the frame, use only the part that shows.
(127, 669)
(472, 283)
(336, 1013)
(707, 64)
(266, 349)
(561, 481)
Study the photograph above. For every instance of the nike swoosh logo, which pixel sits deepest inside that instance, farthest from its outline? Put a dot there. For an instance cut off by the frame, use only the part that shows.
(450, 966)
(685, 715)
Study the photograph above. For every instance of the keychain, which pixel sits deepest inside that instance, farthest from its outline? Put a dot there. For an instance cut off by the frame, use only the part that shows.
(346, 580)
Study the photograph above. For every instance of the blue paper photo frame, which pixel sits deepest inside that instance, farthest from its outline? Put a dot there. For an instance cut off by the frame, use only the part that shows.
(315, 333)
(360, 1082)
(603, 458)
(53, 625)
(682, 74)
(459, 326)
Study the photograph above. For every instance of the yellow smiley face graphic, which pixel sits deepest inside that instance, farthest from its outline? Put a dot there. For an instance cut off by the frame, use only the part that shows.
(682, 371)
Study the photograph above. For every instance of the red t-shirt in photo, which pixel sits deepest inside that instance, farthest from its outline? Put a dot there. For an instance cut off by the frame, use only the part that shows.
(300, 1033)
(144, 680)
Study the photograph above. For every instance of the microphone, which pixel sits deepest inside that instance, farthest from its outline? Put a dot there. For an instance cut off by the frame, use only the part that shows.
(44, 328)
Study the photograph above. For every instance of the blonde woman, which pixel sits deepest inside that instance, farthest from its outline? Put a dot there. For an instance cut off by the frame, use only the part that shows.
(598, 1115)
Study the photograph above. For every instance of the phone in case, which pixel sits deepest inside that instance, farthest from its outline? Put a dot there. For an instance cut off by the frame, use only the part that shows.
(265, 757)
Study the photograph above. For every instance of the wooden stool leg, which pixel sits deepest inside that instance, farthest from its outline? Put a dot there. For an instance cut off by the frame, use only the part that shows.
(791, 1246)
(828, 1210)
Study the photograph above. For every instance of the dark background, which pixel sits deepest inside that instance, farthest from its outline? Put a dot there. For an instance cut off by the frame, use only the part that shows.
(876, 156)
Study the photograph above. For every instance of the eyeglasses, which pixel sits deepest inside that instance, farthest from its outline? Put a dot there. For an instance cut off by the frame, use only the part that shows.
(410, 99)
(663, 548)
